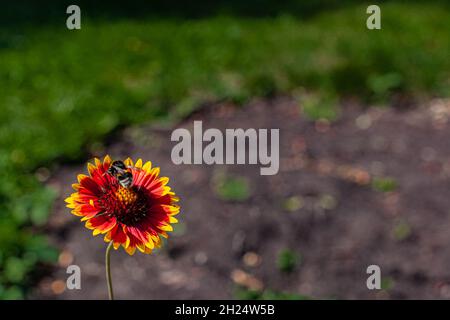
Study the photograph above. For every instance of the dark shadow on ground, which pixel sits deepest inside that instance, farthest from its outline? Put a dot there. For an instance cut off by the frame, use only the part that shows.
(40, 13)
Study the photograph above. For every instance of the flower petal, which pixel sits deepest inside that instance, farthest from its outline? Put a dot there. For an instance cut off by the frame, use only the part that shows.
(147, 166)
(138, 163)
(128, 162)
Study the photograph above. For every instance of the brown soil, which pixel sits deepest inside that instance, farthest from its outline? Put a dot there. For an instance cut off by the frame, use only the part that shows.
(339, 225)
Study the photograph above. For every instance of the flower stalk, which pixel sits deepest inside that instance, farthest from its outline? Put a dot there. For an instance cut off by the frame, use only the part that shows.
(108, 271)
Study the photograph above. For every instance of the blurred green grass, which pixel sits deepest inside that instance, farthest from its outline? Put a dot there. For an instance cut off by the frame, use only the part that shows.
(64, 91)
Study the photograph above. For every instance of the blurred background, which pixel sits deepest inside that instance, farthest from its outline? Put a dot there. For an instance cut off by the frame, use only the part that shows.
(365, 163)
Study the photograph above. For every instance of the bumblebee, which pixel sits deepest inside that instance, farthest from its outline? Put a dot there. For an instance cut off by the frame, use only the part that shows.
(122, 173)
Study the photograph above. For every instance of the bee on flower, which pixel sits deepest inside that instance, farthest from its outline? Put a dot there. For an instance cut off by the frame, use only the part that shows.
(127, 202)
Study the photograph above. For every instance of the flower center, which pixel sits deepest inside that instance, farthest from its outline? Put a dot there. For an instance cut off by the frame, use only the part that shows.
(126, 196)
(129, 206)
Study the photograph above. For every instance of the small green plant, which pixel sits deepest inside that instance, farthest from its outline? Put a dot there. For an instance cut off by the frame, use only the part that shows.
(321, 106)
(327, 202)
(385, 184)
(287, 260)
(231, 188)
(293, 203)
(247, 294)
(402, 230)
(387, 283)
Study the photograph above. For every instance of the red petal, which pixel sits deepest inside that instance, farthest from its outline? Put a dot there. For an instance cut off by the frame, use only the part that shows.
(91, 185)
(118, 235)
(103, 223)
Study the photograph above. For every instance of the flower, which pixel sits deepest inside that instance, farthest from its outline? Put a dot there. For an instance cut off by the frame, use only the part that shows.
(134, 217)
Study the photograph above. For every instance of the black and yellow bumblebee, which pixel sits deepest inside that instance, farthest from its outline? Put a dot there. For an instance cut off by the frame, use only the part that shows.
(122, 173)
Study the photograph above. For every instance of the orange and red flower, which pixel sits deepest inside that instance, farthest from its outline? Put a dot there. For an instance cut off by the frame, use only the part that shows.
(134, 217)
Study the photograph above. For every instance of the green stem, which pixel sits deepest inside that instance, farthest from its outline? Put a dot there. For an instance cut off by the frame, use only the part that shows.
(108, 271)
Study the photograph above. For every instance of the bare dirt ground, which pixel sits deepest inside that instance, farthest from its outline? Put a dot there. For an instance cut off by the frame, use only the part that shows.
(322, 205)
